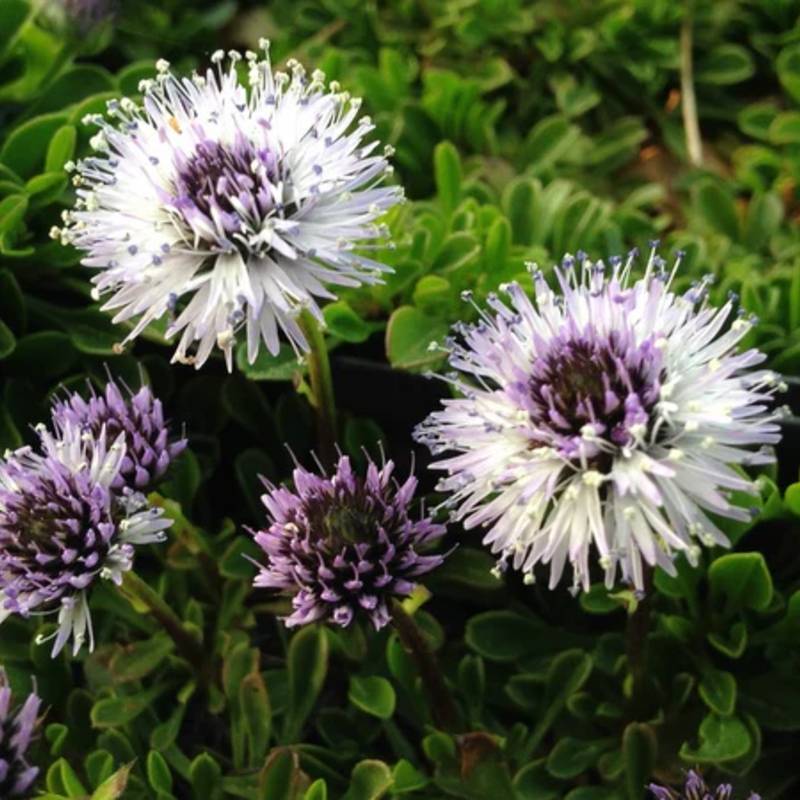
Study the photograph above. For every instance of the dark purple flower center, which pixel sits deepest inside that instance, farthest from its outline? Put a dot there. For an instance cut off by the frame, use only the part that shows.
(349, 523)
(226, 187)
(607, 383)
(54, 536)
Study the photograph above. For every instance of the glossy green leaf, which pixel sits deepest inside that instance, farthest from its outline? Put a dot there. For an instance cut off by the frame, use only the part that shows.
(741, 581)
(372, 694)
(409, 336)
(307, 663)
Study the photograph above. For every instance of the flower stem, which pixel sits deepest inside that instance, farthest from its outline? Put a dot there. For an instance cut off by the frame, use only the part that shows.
(319, 373)
(443, 708)
(691, 123)
(140, 595)
(636, 631)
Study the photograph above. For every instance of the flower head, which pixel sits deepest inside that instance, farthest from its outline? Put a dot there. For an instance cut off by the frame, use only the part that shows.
(63, 527)
(610, 414)
(343, 545)
(84, 15)
(229, 209)
(696, 789)
(149, 449)
(17, 726)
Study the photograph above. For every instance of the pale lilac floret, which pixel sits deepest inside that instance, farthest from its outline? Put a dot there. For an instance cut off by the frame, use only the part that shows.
(609, 414)
(230, 207)
(63, 527)
(139, 416)
(343, 546)
(696, 789)
(17, 728)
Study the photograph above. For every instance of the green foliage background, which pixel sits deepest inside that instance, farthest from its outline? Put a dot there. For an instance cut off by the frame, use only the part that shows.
(523, 130)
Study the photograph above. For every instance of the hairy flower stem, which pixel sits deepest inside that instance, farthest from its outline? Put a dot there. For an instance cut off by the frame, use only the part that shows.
(319, 372)
(691, 124)
(443, 708)
(139, 595)
(636, 631)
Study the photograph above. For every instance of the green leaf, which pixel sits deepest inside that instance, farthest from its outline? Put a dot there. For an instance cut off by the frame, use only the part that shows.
(724, 65)
(639, 750)
(520, 201)
(763, 220)
(61, 148)
(114, 787)
(372, 694)
(7, 340)
(408, 336)
(447, 170)
(722, 739)
(205, 775)
(598, 600)
(407, 778)
(362, 435)
(433, 295)
(502, 635)
(26, 147)
(472, 683)
(135, 661)
(370, 780)
(755, 119)
(255, 705)
(732, 643)
(113, 712)
(44, 355)
(281, 367)
(129, 77)
(785, 128)
(99, 766)
(717, 689)
(12, 304)
(45, 188)
(317, 791)
(158, 773)
(73, 85)
(715, 207)
(12, 212)
(307, 663)
(740, 581)
(498, 244)
(235, 563)
(533, 782)
(343, 323)
(13, 14)
(573, 98)
(247, 404)
(570, 757)
(567, 673)
(465, 572)
(788, 66)
(792, 498)
(281, 777)
(548, 141)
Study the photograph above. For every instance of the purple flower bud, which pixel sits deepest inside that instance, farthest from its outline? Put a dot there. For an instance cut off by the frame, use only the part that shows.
(63, 527)
(343, 546)
(16, 731)
(139, 417)
(84, 15)
(696, 789)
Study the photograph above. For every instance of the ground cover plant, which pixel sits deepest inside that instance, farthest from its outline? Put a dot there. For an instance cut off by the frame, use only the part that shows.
(399, 399)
